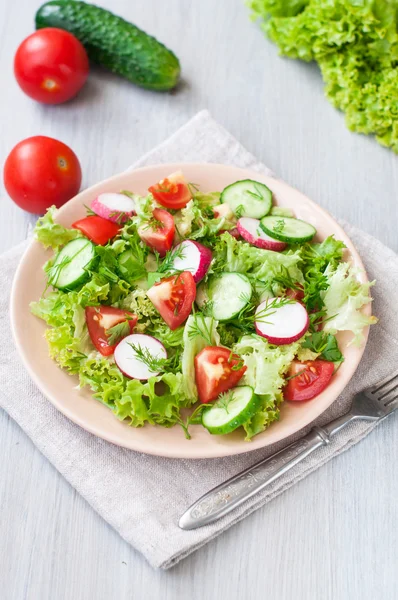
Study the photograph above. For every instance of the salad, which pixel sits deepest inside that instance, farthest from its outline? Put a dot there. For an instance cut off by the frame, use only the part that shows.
(218, 302)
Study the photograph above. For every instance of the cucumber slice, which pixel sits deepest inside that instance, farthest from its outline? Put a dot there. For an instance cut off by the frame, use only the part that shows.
(231, 410)
(288, 229)
(70, 268)
(248, 198)
(226, 294)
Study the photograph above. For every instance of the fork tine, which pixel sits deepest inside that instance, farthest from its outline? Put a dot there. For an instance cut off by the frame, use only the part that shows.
(376, 388)
(392, 401)
(388, 389)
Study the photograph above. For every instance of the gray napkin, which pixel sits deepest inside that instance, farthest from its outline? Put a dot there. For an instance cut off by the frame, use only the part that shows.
(141, 496)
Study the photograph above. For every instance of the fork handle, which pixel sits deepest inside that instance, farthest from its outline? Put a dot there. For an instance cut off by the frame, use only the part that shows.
(233, 492)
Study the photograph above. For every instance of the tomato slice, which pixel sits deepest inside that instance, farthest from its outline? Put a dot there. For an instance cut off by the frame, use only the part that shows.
(173, 297)
(158, 234)
(295, 294)
(97, 229)
(172, 192)
(100, 319)
(216, 371)
(308, 379)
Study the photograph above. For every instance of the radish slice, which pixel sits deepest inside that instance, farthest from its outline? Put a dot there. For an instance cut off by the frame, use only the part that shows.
(251, 231)
(283, 324)
(114, 207)
(130, 363)
(194, 258)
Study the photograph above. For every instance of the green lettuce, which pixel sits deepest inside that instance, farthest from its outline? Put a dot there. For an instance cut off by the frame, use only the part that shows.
(343, 300)
(266, 367)
(355, 43)
(231, 255)
(156, 401)
(51, 234)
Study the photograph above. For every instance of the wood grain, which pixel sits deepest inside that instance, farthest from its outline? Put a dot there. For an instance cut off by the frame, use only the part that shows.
(333, 535)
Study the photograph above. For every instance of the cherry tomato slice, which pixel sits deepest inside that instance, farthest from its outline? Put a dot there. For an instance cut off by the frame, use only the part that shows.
(295, 294)
(308, 379)
(97, 229)
(158, 234)
(216, 371)
(173, 297)
(172, 192)
(100, 319)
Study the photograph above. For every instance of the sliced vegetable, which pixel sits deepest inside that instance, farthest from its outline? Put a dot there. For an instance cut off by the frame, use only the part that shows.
(232, 409)
(193, 257)
(307, 379)
(172, 192)
(217, 370)
(71, 265)
(114, 43)
(107, 326)
(225, 295)
(158, 232)
(251, 231)
(140, 356)
(281, 321)
(288, 229)
(114, 207)
(173, 297)
(248, 198)
(98, 230)
(223, 211)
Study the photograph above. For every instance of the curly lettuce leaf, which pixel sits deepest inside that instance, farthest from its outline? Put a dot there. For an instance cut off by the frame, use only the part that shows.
(355, 43)
(343, 300)
(51, 234)
(231, 255)
(196, 221)
(266, 367)
(156, 401)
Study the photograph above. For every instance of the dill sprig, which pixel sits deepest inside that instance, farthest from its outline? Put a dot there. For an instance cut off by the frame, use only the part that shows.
(118, 331)
(279, 226)
(225, 399)
(167, 263)
(201, 327)
(155, 364)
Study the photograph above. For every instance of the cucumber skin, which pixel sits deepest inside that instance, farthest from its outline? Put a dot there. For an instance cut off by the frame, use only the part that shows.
(80, 280)
(114, 43)
(232, 425)
(287, 238)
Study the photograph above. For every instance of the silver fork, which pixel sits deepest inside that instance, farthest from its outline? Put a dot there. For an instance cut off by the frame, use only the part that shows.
(372, 404)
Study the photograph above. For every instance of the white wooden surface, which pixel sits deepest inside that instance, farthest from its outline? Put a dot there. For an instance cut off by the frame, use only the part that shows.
(334, 535)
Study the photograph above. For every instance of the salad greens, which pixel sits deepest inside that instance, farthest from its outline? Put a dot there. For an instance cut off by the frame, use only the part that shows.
(125, 268)
(355, 43)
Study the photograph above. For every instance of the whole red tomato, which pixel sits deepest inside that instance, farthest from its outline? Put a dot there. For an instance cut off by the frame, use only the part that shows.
(51, 65)
(41, 171)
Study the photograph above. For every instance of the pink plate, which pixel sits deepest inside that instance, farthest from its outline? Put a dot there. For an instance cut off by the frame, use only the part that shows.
(80, 407)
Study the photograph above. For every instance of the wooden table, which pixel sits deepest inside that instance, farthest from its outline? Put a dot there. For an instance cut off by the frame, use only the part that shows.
(332, 536)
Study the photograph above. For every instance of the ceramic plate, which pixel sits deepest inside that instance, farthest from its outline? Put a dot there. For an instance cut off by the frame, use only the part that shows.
(80, 407)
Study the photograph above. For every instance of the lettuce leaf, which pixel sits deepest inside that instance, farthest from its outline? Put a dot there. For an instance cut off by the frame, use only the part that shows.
(355, 43)
(266, 367)
(51, 234)
(231, 255)
(157, 400)
(343, 300)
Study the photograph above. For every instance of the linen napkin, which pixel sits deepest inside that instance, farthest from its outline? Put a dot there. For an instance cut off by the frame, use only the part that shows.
(142, 496)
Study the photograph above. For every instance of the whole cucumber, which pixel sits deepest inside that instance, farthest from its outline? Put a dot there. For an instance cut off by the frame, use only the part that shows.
(112, 42)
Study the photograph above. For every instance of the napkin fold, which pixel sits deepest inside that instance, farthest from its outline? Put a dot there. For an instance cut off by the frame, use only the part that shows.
(143, 496)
